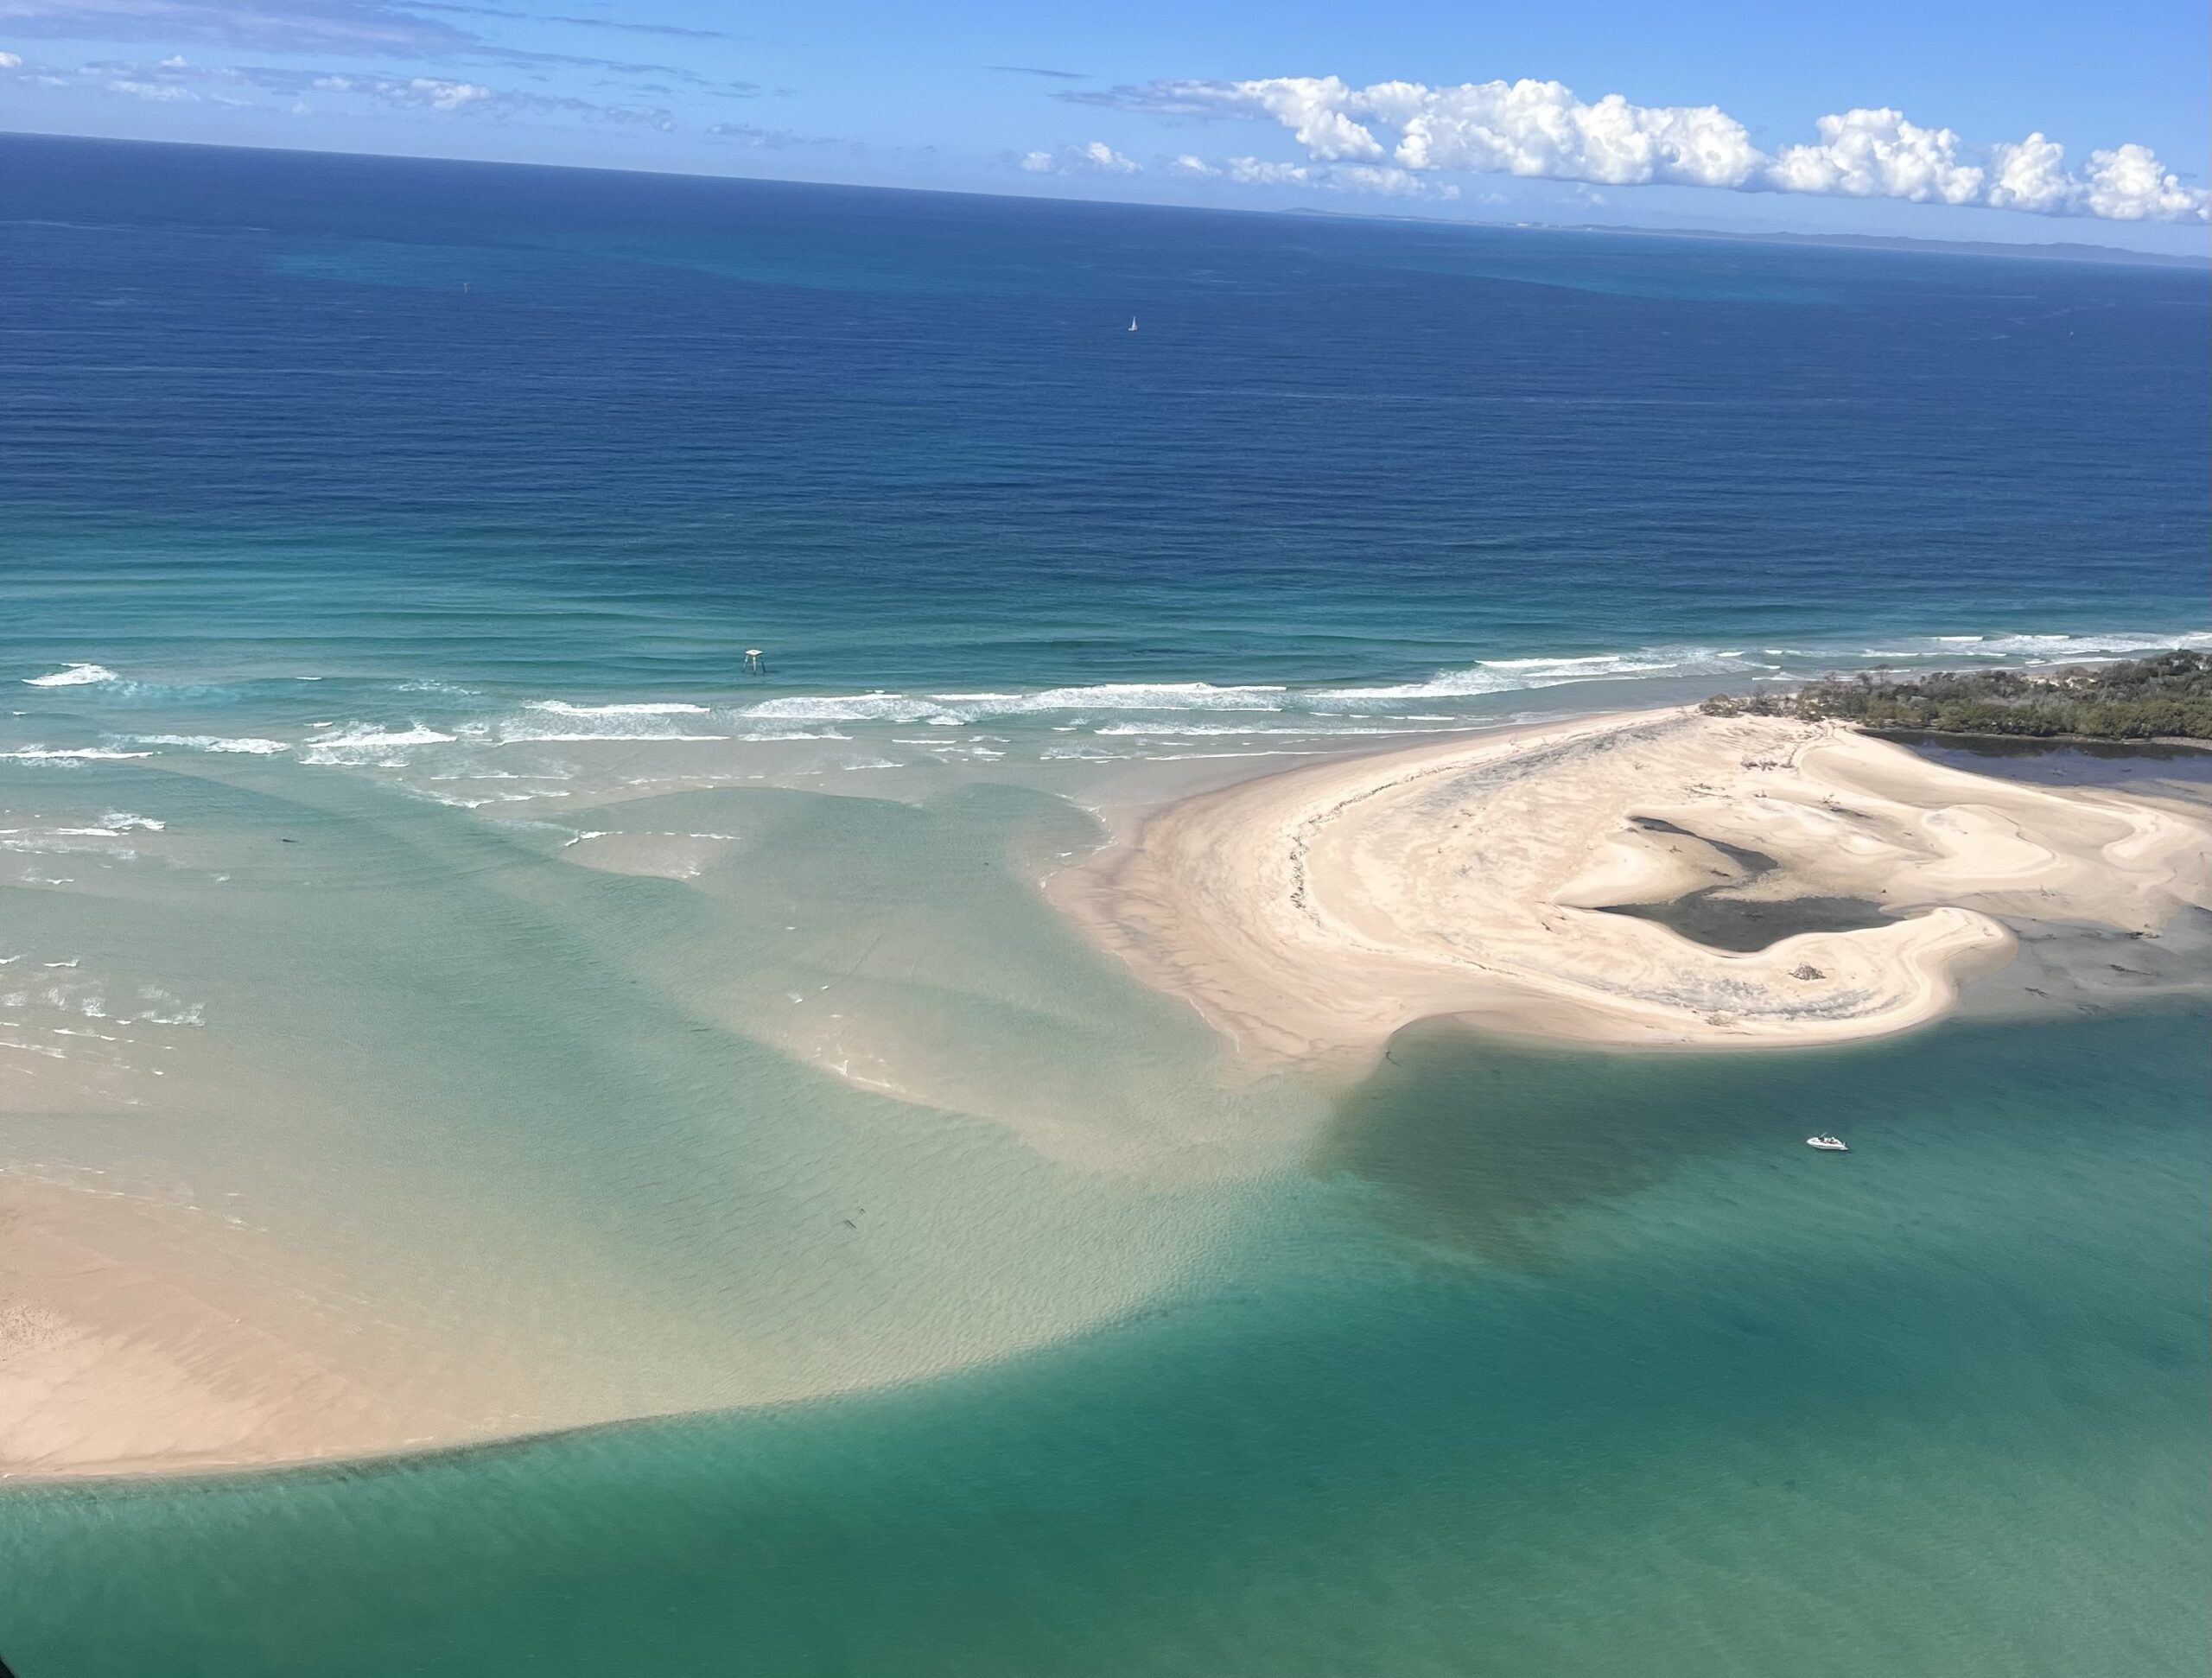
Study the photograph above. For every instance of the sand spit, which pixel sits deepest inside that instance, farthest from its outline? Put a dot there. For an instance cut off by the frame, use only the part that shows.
(1311, 914)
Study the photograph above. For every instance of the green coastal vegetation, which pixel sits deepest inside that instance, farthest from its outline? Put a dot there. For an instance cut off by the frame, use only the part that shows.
(2166, 697)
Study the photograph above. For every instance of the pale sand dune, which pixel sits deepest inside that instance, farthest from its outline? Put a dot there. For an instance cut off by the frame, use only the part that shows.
(1313, 913)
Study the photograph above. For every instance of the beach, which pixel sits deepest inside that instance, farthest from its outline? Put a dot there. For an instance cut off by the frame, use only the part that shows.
(1313, 913)
(238, 1247)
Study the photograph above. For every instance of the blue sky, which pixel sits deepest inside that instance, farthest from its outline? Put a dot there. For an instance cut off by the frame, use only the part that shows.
(2027, 121)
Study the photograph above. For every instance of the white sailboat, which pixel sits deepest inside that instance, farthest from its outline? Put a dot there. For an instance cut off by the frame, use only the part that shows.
(1133, 323)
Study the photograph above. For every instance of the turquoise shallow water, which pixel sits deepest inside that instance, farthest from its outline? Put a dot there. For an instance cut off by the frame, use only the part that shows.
(1571, 1365)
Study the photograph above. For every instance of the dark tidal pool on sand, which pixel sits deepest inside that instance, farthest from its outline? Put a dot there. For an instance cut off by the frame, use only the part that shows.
(1728, 923)
(1718, 917)
(1570, 1364)
(2144, 765)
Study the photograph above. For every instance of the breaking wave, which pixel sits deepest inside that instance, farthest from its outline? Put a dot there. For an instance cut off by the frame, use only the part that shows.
(231, 744)
(77, 676)
(71, 754)
(1515, 674)
(561, 707)
(2041, 648)
(362, 745)
(1468, 695)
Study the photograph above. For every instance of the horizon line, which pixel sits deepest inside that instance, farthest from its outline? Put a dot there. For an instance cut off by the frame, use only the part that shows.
(2042, 249)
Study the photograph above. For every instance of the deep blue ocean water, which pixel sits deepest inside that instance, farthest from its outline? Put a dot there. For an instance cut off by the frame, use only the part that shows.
(413, 419)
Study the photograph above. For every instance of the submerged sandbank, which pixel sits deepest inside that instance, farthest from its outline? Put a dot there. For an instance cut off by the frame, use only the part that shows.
(336, 1215)
(1313, 913)
(447, 1128)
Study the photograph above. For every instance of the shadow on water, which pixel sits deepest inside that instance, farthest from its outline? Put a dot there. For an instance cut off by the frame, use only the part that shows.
(1480, 1146)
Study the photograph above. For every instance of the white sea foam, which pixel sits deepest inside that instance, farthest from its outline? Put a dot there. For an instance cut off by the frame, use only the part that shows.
(556, 721)
(462, 801)
(57, 843)
(363, 745)
(527, 736)
(2053, 648)
(123, 822)
(561, 707)
(1118, 696)
(849, 707)
(77, 676)
(243, 745)
(954, 709)
(179, 1011)
(71, 754)
(1513, 675)
(368, 734)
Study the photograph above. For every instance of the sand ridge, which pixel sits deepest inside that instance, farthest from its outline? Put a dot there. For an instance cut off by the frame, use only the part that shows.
(1312, 914)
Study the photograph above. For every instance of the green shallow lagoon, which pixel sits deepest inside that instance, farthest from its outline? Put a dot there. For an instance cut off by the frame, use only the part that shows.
(1554, 1365)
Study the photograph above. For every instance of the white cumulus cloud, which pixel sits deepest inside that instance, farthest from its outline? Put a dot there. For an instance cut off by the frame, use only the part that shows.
(2030, 175)
(1315, 111)
(1383, 179)
(1879, 154)
(2129, 184)
(1092, 157)
(1540, 129)
(1254, 172)
(429, 91)
(441, 95)
(1543, 129)
(1388, 181)
(158, 93)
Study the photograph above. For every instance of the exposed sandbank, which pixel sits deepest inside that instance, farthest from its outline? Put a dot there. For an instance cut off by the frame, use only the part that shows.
(1309, 913)
(1313, 913)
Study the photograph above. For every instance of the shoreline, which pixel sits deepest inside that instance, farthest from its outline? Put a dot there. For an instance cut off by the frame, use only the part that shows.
(108, 1374)
(1310, 914)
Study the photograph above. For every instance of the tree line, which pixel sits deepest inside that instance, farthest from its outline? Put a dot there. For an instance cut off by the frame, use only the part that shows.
(2168, 697)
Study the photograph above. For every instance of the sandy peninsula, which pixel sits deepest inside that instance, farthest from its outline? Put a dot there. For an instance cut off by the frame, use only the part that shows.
(1311, 914)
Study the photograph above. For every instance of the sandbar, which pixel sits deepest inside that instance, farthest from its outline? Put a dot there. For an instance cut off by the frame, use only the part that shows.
(1311, 914)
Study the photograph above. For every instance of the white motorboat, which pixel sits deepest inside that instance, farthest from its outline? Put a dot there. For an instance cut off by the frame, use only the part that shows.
(1827, 1144)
